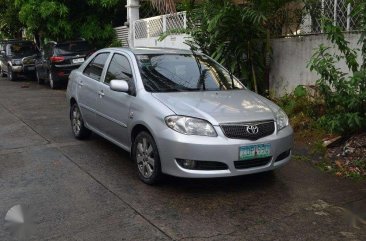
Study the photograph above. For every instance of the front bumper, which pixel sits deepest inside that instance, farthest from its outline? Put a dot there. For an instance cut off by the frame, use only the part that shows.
(23, 68)
(173, 146)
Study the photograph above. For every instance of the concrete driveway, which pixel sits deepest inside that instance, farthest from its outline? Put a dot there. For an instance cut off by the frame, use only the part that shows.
(88, 190)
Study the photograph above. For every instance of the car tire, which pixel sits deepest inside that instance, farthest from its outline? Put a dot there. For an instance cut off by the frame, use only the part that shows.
(2, 74)
(51, 80)
(11, 75)
(77, 123)
(39, 80)
(146, 157)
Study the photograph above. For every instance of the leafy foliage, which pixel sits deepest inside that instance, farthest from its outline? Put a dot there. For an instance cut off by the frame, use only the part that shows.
(344, 93)
(61, 19)
(303, 107)
(236, 36)
(10, 26)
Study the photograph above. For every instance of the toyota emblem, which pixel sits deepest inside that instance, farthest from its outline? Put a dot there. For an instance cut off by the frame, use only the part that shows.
(252, 129)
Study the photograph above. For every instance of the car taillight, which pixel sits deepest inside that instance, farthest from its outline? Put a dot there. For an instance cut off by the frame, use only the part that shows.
(56, 59)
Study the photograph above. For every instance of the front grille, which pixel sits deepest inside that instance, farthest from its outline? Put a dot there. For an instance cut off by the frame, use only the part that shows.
(241, 131)
(209, 165)
(252, 163)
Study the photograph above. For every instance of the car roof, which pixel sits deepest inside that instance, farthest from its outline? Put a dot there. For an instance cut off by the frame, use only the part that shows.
(149, 50)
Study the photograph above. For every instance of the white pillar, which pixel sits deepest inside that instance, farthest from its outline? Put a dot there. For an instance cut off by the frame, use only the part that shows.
(133, 14)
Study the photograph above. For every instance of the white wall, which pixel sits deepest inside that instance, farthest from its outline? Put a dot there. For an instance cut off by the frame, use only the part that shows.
(291, 56)
(172, 41)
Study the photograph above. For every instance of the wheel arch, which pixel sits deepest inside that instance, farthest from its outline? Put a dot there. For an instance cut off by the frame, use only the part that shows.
(72, 102)
(137, 129)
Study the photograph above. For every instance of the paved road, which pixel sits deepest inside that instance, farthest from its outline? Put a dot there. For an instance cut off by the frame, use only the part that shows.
(88, 190)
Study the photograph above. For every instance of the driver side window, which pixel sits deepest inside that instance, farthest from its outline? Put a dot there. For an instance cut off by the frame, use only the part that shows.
(119, 69)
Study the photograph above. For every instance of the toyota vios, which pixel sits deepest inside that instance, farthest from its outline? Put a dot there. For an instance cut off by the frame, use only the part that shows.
(177, 112)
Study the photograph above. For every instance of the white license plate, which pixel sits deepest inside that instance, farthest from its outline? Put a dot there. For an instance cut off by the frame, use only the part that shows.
(31, 68)
(78, 61)
(254, 151)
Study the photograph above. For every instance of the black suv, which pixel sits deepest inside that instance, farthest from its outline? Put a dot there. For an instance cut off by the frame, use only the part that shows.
(59, 59)
(17, 57)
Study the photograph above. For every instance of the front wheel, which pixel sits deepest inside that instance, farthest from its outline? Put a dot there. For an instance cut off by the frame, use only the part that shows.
(146, 157)
(11, 75)
(2, 74)
(77, 123)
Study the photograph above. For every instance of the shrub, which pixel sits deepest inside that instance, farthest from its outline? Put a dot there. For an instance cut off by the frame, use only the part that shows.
(344, 93)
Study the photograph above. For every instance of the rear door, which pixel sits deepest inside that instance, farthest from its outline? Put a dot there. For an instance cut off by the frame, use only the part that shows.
(114, 107)
(89, 88)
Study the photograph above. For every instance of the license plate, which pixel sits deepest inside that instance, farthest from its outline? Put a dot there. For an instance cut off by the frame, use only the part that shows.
(78, 61)
(31, 68)
(254, 151)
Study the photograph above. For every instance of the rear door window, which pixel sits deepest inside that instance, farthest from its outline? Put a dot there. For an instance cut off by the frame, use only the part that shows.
(94, 69)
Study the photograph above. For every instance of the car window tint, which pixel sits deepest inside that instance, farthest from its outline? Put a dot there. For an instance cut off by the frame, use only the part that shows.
(22, 49)
(95, 67)
(72, 47)
(118, 69)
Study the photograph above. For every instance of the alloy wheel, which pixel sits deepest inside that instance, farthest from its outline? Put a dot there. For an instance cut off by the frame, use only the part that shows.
(145, 158)
(76, 121)
(52, 84)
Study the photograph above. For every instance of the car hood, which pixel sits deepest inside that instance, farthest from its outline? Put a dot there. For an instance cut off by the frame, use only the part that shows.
(219, 106)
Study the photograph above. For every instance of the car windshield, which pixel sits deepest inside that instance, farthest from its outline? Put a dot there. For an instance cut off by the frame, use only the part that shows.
(21, 49)
(184, 72)
(72, 47)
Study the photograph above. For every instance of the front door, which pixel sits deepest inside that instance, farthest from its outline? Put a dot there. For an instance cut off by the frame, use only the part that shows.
(114, 107)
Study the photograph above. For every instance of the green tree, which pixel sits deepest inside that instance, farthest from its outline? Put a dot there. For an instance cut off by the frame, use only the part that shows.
(10, 26)
(63, 19)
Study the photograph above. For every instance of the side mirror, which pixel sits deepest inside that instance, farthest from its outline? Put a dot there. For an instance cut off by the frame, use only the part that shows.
(2, 52)
(119, 86)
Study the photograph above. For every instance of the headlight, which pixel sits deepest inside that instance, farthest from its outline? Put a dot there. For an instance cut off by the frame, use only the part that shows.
(281, 119)
(190, 126)
(16, 62)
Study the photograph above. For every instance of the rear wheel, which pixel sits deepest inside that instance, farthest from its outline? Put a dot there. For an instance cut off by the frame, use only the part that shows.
(51, 80)
(146, 156)
(77, 123)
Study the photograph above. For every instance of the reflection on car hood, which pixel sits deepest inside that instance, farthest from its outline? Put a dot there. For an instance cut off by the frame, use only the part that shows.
(219, 106)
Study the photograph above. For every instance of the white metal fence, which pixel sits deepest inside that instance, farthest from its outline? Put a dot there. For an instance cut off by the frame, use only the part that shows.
(340, 11)
(122, 35)
(155, 26)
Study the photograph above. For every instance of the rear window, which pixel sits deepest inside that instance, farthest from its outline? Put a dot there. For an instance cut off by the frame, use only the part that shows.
(72, 47)
(21, 49)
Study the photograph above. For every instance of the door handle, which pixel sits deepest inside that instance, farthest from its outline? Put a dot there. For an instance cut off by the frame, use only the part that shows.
(81, 83)
(101, 93)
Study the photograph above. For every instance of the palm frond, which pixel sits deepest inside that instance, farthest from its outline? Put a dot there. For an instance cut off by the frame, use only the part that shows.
(164, 6)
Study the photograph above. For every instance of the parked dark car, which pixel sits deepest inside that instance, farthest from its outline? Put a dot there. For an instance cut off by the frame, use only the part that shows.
(57, 60)
(17, 57)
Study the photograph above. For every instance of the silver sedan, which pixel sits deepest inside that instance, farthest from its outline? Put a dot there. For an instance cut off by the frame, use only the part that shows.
(177, 112)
